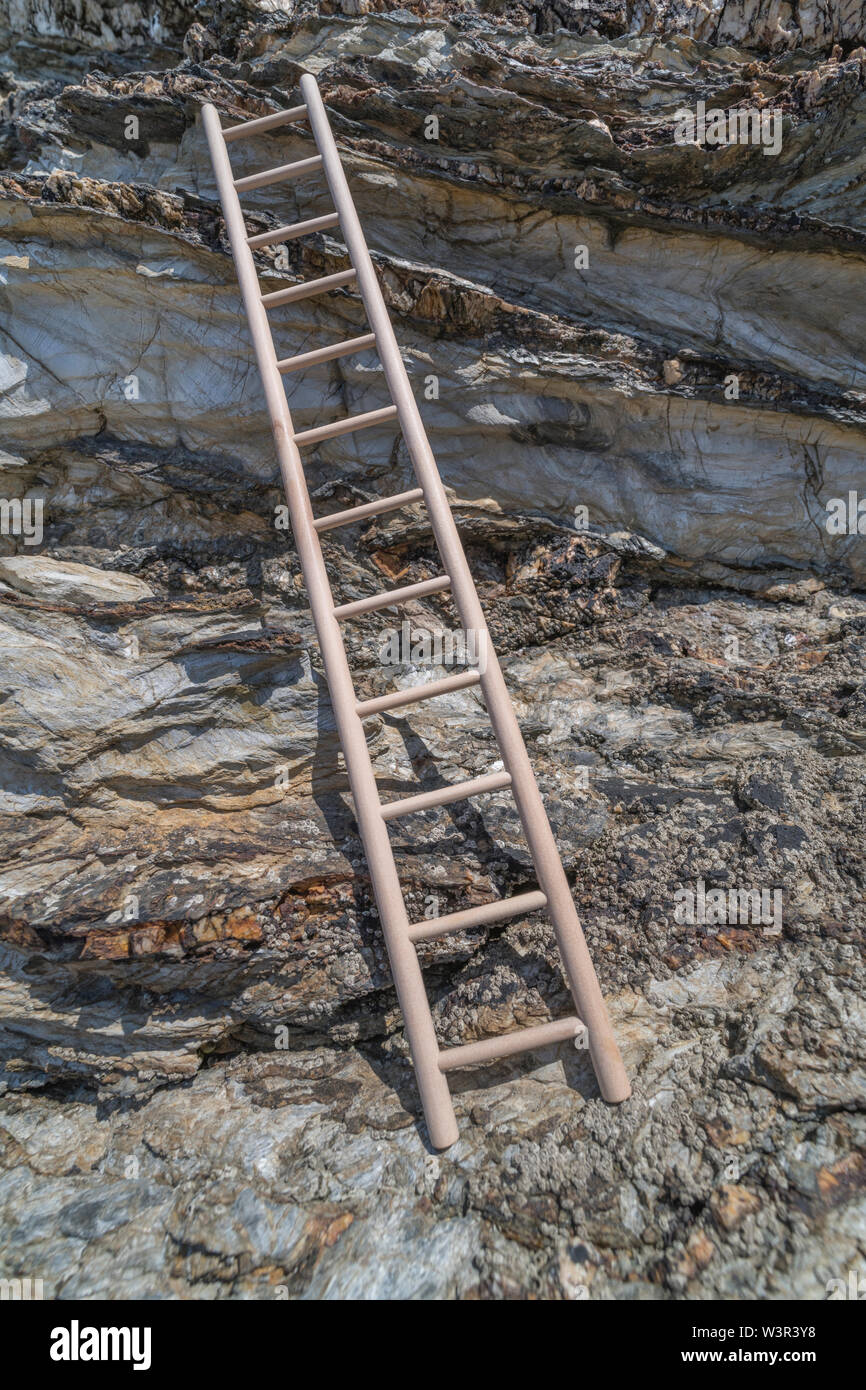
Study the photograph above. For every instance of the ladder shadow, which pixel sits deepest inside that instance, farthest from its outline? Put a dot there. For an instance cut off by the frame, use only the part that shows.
(336, 805)
(577, 1068)
(466, 821)
(325, 773)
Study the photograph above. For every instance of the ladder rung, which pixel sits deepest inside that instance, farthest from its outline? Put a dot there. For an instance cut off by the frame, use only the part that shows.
(369, 605)
(293, 230)
(385, 504)
(418, 692)
(442, 796)
(308, 289)
(278, 175)
(481, 916)
(325, 354)
(351, 422)
(262, 123)
(510, 1043)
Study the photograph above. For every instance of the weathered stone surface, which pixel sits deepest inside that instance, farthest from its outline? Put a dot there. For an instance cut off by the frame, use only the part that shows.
(530, 353)
(304, 1173)
(59, 581)
(206, 1084)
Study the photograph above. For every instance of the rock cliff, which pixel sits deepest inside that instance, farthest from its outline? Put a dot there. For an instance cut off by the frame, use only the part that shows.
(640, 364)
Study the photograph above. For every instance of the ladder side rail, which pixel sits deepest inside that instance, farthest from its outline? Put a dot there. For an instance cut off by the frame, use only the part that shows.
(408, 979)
(553, 882)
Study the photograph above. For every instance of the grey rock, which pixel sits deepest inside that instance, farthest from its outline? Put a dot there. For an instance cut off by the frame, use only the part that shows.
(206, 1089)
(62, 582)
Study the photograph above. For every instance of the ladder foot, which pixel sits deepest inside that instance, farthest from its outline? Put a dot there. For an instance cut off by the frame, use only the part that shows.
(435, 1100)
(442, 1130)
(610, 1073)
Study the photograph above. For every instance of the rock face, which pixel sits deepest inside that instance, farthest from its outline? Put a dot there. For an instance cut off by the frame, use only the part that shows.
(640, 364)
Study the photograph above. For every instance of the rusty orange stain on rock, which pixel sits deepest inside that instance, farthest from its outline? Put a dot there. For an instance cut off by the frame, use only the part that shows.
(842, 1180)
(731, 1204)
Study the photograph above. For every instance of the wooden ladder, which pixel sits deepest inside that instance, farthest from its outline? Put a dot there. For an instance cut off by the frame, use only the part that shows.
(432, 1063)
